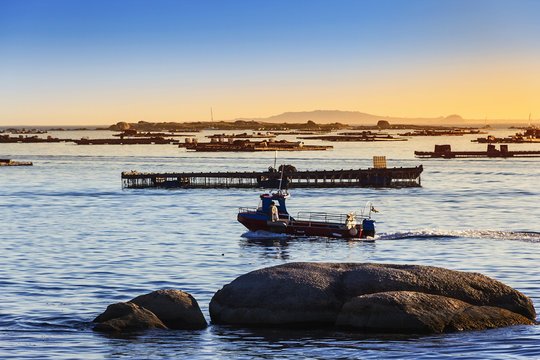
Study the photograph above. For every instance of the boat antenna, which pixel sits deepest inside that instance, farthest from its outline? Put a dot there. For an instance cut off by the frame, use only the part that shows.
(281, 179)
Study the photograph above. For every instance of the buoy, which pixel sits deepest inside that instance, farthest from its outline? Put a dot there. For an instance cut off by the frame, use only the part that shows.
(353, 231)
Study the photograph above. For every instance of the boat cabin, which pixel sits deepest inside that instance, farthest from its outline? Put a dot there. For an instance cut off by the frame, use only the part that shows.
(278, 199)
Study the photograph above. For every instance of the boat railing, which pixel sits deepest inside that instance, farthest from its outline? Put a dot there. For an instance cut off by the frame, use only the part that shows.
(326, 217)
(282, 216)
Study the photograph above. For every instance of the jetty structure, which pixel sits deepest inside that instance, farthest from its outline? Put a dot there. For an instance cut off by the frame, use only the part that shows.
(445, 152)
(285, 177)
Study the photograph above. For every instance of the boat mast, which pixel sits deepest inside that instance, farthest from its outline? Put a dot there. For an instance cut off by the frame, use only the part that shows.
(211, 114)
(281, 179)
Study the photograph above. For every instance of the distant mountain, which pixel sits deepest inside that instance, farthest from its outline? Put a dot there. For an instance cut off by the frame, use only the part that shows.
(325, 116)
(357, 118)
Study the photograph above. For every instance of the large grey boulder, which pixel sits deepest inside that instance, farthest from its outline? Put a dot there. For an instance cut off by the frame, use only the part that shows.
(127, 317)
(161, 309)
(177, 309)
(370, 297)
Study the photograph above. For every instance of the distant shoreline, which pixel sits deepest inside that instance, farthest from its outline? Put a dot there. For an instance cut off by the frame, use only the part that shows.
(320, 117)
(255, 125)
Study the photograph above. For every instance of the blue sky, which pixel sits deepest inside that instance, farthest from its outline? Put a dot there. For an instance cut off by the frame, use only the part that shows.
(99, 62)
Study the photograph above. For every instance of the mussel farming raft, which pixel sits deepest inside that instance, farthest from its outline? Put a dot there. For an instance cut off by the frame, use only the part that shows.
(9, 162)
(445, 152)
(372, 177)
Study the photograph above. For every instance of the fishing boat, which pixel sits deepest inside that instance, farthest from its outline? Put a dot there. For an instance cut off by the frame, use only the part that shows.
(279, 221)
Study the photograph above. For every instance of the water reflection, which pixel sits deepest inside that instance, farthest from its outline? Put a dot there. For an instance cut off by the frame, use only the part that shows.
(310, 248)
(70, 247)
(267, 248)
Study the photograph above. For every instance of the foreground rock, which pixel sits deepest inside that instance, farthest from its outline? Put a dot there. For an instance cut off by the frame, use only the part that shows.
(177, 309)
(161, 309)
(406, 311)
(370, 297)
(127, 317)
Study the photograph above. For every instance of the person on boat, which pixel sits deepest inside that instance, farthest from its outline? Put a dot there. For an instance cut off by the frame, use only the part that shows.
(274, 216)
(350, 222)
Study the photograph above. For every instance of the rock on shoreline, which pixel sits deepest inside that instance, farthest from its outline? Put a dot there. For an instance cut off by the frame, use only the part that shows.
(370, 297)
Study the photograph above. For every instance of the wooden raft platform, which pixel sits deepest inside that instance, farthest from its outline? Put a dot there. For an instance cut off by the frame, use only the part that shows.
(373, 177)
(9, 162)
(250, 146)
(124, 141)
(445, 152)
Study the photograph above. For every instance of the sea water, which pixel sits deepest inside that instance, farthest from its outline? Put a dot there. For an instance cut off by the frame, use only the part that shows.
(74, 241)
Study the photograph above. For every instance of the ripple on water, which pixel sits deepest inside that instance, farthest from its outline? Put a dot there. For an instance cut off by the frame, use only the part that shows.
(73, 242)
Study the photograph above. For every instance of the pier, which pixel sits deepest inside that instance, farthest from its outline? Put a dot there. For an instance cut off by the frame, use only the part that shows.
(372, 177)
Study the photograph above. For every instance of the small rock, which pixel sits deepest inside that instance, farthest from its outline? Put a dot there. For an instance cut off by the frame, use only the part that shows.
(127, 316)
(175, 308)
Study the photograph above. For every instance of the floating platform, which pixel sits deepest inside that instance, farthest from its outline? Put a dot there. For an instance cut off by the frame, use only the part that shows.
(250, 146)
(506, 140)
(445, 152)
(151, 134)
(530, 135)
(9, 162)
(30, 139)
(124, 141)
(372, 177)
(242, 136)
(435, 132)
(359, 136)
(300, 132)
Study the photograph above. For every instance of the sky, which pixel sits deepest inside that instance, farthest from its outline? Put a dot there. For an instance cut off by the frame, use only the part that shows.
(93, 62)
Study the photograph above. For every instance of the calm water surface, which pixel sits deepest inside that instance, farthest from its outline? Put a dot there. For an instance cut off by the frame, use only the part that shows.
(73, 242)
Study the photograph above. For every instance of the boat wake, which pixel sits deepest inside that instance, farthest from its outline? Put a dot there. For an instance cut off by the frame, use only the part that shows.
(527, 236)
